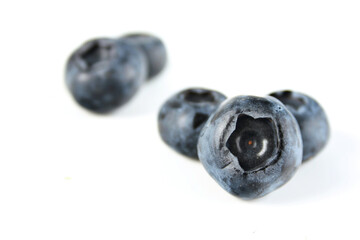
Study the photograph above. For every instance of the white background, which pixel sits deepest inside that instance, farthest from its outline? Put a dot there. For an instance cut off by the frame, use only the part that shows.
(66, 173)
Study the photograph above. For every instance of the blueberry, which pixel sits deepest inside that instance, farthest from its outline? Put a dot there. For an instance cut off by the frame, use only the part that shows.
(153, 48)
(311, 118)
(103, 73)
(182, 117)
(251, 146)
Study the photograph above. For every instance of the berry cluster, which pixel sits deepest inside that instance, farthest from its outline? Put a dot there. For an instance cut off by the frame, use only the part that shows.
(249, 145)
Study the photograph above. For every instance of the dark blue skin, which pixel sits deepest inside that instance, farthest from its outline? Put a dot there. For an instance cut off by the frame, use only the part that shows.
(153, 48)
(251, 146)
(103, 73)
(311, 118)
(182, 117)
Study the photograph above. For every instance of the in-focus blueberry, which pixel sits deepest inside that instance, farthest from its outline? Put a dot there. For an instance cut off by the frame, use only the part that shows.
(251, 146)
(103, 74)
(182, 117)
(153, 48)
(311, 118)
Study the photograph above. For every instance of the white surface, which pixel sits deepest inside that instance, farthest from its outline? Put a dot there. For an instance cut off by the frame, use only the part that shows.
(68, 174)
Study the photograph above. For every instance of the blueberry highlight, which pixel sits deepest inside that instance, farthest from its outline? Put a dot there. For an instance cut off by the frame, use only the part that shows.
(251, 146)
(103, 74)
(182, 117)
(153, 48)
(312, 120)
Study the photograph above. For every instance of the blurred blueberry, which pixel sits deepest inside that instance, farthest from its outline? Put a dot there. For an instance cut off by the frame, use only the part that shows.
(311, 118)
(182, 117)
(153, 48)
(251, 146)
(103, 73)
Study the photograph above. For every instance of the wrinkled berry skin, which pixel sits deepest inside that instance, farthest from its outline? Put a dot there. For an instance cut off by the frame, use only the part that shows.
(251, 146)
(103, 73)
(153, 48)
(182, 117)
(311, 118)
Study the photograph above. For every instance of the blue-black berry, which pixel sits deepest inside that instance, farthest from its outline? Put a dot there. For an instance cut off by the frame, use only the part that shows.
(311, 118)
(251, 146)
(102, 74)
(153, 48)
(182, 117)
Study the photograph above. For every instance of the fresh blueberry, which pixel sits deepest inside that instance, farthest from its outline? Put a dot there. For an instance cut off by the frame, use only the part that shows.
(153, 48)
(103, 74)
(182, 117)
(251, 146)
(311, 118)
